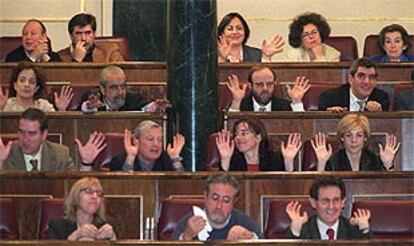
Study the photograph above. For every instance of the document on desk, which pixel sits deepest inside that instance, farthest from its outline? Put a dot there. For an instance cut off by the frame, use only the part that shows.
(205, 233)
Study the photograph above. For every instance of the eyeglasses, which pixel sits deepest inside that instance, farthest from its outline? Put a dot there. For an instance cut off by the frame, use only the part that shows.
(263, 84)
(309, 34)
(91, 191)
(242, 133)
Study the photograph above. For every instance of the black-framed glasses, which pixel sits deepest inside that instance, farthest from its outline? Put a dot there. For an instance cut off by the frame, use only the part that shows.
(91, 191)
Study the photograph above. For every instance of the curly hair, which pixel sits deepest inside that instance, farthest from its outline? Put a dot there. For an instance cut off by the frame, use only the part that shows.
(40, 79)
(394, 28)
(296, 27)
(227, 19)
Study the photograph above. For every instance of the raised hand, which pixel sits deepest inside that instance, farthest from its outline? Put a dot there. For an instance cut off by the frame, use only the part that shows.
(92, 148)
(225, 146)
(3, 98)
(290, 150)
(63, 99)
(174, 149)
(79, 51)
(387, 153)
(4, 151)
(237, 89)
(273, 47)
(322, 153)
(106, 232)
(131, 148)
(239, 233)
(297, 92)
(297, 218)
(373, 106)
(224, 48)
(194, 225)
(361, 218)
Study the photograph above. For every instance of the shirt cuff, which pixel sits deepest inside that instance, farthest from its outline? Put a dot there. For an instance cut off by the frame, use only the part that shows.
(233, 110)
(297, 107)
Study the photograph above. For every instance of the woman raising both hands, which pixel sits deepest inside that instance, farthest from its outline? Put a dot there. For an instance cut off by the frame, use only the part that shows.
(233, 33)
(353, 131)
(249, 150)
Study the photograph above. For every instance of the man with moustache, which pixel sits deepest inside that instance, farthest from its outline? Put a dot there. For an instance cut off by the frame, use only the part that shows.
(112, 95)
(359, 94)
(327, 197)
(82, 31)
(35, 45)
(261, 98)
(220, 194)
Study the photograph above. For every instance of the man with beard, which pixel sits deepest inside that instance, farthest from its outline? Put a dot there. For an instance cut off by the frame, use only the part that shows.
(112, 95)
(220, 194)
(359, 94)
(328, 198)
(82, 32)
(262, 97)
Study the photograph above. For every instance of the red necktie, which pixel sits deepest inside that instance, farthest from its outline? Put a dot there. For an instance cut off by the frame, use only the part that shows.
(331, 233)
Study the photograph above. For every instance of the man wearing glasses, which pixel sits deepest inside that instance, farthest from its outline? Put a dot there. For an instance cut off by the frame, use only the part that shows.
(261, 97)
(112, 95)
(359, 94)
(327, 197)
(222, 221)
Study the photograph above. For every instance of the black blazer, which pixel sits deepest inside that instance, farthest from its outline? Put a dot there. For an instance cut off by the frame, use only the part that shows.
(60, 229)
(163, 163)
(270, 161)
(278, 104)
(340, 97)
(340, 162)
(251, 54)
(19, 55)
(134, 101)
(345, 230)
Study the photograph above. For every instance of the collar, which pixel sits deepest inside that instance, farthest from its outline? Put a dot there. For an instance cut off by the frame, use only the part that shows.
(37, 156)
(353, 101)
(257, 106)
(322, 227)
(29, 56)
(228, 58)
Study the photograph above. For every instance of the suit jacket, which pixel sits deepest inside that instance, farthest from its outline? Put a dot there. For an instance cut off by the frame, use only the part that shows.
(101, 53)
(278, 104)
(345, 230)
(55, 157)
(385, 58)
(134, 101)
(60, 229)
(404, 100)
(251, 54)
(269, 161)
(163, 163)
(369, 162)
(18, 55)
(340, 97)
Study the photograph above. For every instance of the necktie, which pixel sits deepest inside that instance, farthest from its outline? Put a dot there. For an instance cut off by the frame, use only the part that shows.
(361, 105)
(331, 233)
(34, 163)
(262, 109)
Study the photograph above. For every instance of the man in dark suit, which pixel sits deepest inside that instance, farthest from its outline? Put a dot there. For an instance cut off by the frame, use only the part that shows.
(35, 46)
(32, 152)
(261, 98)
(359, 94)
(82, 31)
(112, 95)
(327, 197)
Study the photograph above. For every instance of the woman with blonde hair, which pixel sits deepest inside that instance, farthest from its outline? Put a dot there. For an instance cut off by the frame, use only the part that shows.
(84, 214)
(354, 131)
